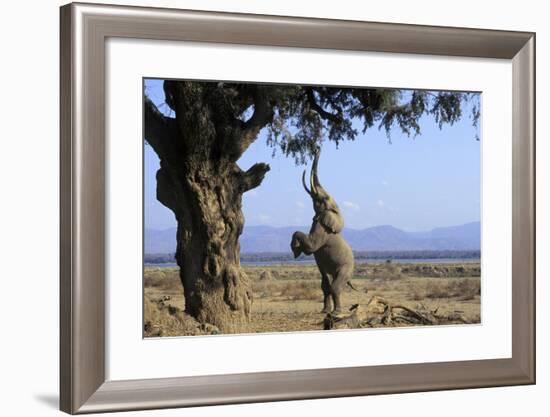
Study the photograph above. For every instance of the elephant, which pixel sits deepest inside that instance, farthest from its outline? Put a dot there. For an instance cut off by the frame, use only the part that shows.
(332, 253)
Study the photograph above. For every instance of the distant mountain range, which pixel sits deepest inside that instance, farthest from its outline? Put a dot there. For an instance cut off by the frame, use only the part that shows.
(257, 239)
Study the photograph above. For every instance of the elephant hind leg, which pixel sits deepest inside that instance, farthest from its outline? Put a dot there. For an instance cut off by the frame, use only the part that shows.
(327, 293)
(340, 281)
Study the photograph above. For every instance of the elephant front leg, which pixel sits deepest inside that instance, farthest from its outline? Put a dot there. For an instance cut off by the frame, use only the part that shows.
(310, 243)
(327, 294)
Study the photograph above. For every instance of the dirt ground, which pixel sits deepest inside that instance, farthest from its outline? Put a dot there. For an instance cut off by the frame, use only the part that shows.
(289, 297)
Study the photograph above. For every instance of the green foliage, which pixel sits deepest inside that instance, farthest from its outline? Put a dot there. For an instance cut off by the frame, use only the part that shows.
(298, 118)
(309, 114)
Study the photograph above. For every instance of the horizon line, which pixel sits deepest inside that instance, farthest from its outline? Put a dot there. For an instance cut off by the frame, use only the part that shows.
(348, 228)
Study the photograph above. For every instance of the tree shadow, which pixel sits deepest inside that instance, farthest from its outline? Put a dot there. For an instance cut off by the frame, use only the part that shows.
(51, 400)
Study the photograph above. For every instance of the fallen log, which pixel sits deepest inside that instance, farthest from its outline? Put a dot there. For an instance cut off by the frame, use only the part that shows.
(391, 315)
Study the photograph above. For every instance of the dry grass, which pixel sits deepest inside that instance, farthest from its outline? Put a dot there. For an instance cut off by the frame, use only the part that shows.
(292, 299)
(462, 288)
(385, 271)
(301, 290)
(162, 278)
(162, 321)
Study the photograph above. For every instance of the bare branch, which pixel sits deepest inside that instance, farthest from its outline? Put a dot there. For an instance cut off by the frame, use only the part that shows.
(249, 130)
(159, 131)
(254, 176)
(165, 189)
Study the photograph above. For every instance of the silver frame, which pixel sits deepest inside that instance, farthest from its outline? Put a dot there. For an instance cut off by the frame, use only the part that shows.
(84, 30)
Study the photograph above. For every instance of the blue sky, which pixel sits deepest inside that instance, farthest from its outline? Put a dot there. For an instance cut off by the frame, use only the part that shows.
(415, 184)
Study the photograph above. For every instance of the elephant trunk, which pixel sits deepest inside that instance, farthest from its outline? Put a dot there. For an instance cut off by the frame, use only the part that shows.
(316, 187)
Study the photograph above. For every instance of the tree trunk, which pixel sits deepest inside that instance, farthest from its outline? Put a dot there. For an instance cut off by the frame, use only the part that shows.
(200, 181)
(206, 198)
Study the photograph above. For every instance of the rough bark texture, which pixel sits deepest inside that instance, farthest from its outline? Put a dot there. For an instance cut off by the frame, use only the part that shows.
(200, 181)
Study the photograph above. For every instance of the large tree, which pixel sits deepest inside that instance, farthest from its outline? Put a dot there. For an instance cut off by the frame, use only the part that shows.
(213, 123)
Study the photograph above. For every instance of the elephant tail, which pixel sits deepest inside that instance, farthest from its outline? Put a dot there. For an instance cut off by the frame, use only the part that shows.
(352, 287)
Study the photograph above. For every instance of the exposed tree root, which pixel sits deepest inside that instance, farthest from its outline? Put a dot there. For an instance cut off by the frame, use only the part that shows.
(165, 319)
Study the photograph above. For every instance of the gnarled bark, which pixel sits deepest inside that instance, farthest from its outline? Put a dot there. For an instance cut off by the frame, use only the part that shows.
(207, 204)
(200, 181)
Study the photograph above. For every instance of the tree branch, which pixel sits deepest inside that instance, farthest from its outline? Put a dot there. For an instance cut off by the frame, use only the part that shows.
(254, 176)
(165, 189)
(326, 115)
(249, 130)
(159, 131)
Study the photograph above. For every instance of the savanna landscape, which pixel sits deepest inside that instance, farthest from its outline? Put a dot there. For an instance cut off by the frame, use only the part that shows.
(212, 197)
(288, 297)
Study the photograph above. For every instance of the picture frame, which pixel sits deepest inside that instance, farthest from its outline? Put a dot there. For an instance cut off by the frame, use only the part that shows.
(84, 30)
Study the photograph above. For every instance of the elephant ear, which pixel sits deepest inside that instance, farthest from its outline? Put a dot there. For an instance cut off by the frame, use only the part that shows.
(332, 221)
